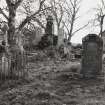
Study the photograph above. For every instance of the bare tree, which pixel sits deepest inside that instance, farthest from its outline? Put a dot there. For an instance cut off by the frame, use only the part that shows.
(55, 9)
(15, 49)
(71, 9)
(58, 12)
(31, 15)
(99, 16)
(12, 6)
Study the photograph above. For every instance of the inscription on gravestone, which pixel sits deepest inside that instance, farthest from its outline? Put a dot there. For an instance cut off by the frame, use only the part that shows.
(92, 56)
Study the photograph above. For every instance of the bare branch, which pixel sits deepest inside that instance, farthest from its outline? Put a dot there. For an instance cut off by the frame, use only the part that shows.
(100, 15)
(68, 8)
(71, 9)
(103, 3)
(57, 11)
(72, 3)
(8, 2)
(80, 28)
(18, 3)
(1, 12)
(66, 26)
(60, 19)
(40, 23)
(29, 18)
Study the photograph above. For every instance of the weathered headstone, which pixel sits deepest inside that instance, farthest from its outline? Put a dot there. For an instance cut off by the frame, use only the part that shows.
(92, 56)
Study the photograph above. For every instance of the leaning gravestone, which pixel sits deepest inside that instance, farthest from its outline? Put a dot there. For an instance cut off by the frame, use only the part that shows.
(92, 56)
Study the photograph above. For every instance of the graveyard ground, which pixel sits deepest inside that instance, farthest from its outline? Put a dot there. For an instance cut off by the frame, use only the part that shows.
(51, 82)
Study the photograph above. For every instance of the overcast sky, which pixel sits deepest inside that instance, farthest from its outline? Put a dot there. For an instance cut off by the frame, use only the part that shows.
(87, 13)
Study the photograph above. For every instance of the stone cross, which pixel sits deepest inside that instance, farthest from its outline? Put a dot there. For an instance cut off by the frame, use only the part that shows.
(92, 56)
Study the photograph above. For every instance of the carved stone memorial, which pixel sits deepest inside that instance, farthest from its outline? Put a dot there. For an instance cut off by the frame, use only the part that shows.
(92, 56)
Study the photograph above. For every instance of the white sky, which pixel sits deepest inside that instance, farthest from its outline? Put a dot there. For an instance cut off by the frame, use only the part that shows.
(86, 13)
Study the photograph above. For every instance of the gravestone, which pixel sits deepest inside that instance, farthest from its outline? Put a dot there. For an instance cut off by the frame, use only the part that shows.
(92, 56)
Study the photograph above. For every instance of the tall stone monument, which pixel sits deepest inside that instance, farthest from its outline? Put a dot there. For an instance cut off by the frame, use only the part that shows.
(92, 56)
(60, 37)
(49, 26)
(48, 37)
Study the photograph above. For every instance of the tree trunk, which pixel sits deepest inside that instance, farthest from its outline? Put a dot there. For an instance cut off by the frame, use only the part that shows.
(101, 25)
(71, 28)
(13, 50)
(11, 25)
